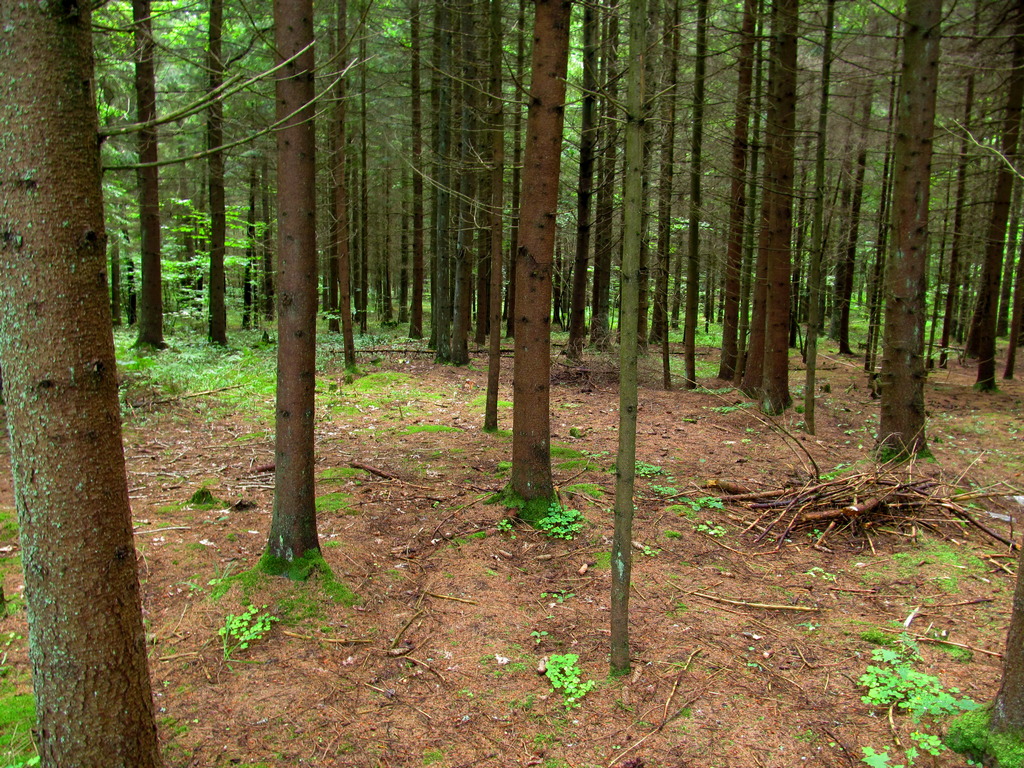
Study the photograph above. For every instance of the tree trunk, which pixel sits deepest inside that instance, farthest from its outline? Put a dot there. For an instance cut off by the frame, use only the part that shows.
(418, 271)
(497, 130)
(696, 171)
(250, 254)
(363, 294)
(983, 330)
(531, 451)
(666, 178)
(817, 230)
(343, 244)
(87, 647)
(115, 280)
(517, 157)
(737, 198)
(1008, 709)
(604, 212)
(267, 245)
(588, 135)
(151, 311)
(1016, 317)
(215, 138)
(902, 428)
(293, 534)
(463, 277)
(441, 299)
(632, 240)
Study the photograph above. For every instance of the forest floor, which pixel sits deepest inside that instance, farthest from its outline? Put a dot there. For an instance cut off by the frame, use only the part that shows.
(749, 636)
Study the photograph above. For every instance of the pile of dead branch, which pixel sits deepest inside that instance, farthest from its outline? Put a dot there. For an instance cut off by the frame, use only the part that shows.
(859, 503)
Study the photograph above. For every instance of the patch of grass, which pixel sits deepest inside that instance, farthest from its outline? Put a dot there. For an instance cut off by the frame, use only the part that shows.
(672, 535)
(341, 473)
(581, 465)
(587, 489)
(17, 718)
(682, 509)
(481, 402)
(333, 502)
(8, 524)
(432, 756)
(565, 452)
(374, 383)
(603, 560)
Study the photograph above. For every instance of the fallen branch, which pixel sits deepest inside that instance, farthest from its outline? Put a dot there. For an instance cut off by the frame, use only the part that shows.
(760, 606)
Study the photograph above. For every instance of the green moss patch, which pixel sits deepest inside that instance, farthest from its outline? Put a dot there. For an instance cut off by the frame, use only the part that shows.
(17, 718)
(203, 499)
(302, 568)
(587, 489)
(374, 383)
(969, 735)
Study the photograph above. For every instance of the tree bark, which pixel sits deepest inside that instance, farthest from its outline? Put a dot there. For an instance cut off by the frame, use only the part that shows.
(215, 138)
(497, 129)
(151, 309)
(531, 451)
(737, 198)
(983, 330)
(817, 230)
(693, 234)
(293, 533)
(604, 212)
(902, 428)
(418, 272)
(87, 647)
(632, 240)
(585, 188)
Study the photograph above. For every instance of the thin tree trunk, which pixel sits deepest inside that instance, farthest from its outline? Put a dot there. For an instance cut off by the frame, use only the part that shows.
(441, 300)
(632, 238)
(363, 300)
(663, 251)
(588, 135)
(817, 230)
(115, 279)
(983, 329)
(902, 428)
(151, 312)
(418, 271)
(737, 198)
(462, 279)
(1016, 320)
(218, 216)
(696, 172)
(497, 131)
(517, 159)
(604, 213)
(248, 305)
(269, 302)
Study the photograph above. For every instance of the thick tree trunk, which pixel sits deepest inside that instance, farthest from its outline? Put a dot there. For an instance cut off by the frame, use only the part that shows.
(293, 533)
(87, 647)
(902, 429)
(214, 139)
(531, 433)
(737, 198)
(151, 311)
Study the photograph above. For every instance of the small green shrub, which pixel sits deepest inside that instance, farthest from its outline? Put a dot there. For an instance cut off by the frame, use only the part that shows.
(561, 522)
(244, 629)
(565, 675)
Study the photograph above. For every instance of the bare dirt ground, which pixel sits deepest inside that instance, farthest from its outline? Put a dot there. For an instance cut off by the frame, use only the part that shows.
(437, 662)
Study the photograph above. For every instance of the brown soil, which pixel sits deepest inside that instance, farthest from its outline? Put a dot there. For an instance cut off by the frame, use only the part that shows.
(437, 664)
